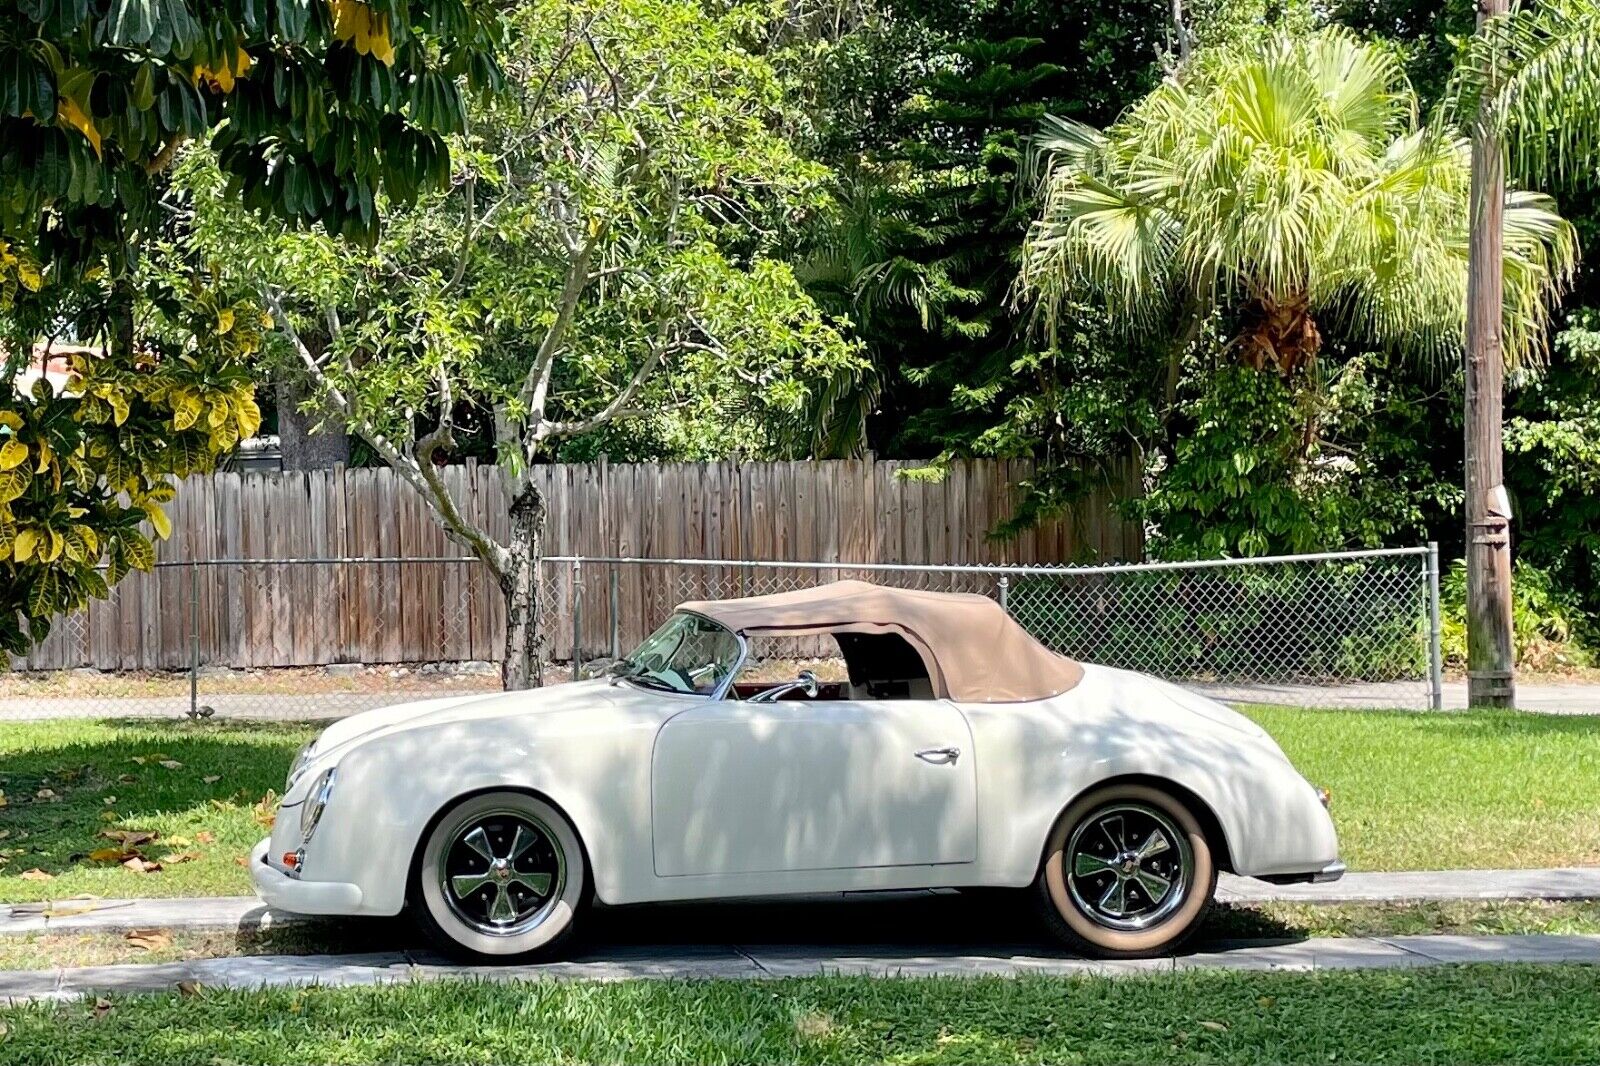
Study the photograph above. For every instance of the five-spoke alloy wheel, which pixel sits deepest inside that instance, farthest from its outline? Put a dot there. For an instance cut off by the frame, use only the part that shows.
(500, 875)
(1127, 873)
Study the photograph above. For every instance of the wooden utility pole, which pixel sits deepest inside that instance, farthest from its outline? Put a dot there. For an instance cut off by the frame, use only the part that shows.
(1491, 680)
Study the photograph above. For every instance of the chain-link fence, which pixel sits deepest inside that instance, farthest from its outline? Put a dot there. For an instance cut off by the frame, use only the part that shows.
(321, 638)
(1340, 628)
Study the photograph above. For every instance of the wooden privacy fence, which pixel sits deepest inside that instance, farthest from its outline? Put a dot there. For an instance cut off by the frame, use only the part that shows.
(419, 605)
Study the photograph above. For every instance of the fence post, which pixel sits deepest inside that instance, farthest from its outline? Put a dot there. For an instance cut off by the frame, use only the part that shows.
(1435, 651)
(577, 619)
(194, 640)
(616, 632)
(1005, 589)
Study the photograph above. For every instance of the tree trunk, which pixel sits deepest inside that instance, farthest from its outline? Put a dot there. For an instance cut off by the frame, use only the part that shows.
(523, 664)
(304, 448)
(1490, 651)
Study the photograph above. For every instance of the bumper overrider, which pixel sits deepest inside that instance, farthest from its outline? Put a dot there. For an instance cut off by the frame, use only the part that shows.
(278, 864)
(282, 890)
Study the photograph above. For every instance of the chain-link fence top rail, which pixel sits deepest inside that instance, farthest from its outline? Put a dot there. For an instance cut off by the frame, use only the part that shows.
(317, 638)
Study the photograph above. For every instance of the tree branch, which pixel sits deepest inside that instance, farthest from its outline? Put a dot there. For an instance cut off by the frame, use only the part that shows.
(536, 386)
(619, 406)
(418, 470)
(161, 159)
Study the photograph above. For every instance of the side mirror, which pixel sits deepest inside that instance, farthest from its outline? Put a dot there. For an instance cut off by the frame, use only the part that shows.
(806, 682)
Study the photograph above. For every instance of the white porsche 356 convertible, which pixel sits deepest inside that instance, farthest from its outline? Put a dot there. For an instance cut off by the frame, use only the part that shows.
(959, 752)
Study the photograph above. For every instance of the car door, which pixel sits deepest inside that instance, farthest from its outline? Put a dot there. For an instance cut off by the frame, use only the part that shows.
(740, 787)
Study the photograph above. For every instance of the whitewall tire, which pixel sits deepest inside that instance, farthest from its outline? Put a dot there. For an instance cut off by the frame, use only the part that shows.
(501, 876)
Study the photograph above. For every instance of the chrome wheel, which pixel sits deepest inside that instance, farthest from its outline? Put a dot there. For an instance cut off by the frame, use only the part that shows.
(1128, 866)
(502, 872)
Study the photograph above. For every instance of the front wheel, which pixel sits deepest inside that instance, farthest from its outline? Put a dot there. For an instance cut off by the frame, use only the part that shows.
(1127, 873)
(500, 877)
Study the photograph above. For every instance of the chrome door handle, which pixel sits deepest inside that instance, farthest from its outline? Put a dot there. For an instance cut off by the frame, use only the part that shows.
(939, 755)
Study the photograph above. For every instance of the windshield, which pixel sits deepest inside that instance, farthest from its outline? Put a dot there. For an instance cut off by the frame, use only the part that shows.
(688, 654)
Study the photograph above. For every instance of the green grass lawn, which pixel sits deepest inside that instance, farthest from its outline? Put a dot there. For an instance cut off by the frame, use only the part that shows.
(197, 785)
(1410, 791)
(1478, 1014)
(1480, 789)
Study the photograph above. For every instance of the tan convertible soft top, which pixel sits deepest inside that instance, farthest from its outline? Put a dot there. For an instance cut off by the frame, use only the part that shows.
(975, 652)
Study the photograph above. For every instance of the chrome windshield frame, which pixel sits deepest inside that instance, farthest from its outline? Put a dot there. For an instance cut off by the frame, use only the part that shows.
(720, 692)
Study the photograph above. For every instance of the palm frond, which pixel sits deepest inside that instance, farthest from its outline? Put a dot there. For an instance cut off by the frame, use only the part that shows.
(1533, 75)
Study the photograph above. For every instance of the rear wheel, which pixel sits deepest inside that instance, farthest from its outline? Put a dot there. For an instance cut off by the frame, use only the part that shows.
(501, 876)
(1127, 873)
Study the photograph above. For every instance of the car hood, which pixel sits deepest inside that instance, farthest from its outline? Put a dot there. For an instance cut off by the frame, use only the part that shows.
(340, 737)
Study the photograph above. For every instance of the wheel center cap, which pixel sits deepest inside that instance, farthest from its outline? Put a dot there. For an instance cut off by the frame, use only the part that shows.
(1128, 863)
(501, 870)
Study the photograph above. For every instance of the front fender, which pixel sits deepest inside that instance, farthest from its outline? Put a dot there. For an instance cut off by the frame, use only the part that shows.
(389, 791)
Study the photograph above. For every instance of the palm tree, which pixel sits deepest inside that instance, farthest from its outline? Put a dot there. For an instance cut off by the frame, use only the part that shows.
(1532, 76)
(1290, 185)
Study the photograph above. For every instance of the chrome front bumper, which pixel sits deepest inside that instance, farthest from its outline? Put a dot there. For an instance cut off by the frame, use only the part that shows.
(285, 893)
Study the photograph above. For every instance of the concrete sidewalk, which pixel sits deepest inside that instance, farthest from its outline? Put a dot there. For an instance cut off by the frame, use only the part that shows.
(247, 913)
(1537, 697)
(773, 961)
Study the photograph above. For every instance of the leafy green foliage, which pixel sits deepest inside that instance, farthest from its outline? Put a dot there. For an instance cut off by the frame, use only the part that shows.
(1544, 620)
(1286, 182)
(83, 472)
(1258, 467)
(1552, 439)
(596, 246)
(316, 107)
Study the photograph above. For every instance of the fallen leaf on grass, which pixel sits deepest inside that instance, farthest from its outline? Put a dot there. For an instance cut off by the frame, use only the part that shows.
(45, 794)
(265, 812)
(102, 1007)
(128, 779)
(148, 939)
(211, 779)
(109, 801)
(141, 865)
(205, 836)
(112, 855)
(3, 801)
(130, 838)
(190, 988)
(240, 860)
(172, 764)
(180, 856)
(36, 874)
(1215, 1027)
